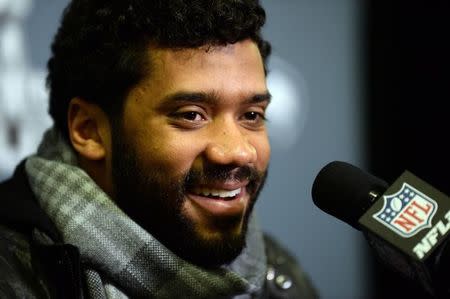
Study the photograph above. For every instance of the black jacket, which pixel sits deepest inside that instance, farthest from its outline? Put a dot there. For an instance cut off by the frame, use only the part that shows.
(30, 267)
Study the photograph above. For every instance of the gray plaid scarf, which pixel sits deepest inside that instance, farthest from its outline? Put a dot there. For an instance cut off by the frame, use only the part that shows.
(121, 259)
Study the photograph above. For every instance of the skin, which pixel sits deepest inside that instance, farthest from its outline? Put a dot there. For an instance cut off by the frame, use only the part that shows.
(198, 108)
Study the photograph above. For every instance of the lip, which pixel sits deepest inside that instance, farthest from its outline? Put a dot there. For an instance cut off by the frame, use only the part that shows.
(221, 207)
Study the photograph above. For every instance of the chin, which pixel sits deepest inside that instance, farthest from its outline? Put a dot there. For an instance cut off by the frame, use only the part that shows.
(212, 246)
(214, 253)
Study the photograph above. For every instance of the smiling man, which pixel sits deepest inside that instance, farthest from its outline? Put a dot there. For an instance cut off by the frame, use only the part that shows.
(145, 185)
(191, 151)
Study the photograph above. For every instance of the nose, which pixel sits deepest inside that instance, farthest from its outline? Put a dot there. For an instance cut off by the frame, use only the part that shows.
(230, 146)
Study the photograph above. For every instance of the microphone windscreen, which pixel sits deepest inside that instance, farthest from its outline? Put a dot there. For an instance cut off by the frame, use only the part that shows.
(343, 191)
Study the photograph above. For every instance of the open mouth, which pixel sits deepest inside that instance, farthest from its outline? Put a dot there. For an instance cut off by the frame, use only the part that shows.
(219, 194)
(224, 201)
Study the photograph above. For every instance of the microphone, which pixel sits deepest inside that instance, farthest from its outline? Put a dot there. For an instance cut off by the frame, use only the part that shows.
(407, 223)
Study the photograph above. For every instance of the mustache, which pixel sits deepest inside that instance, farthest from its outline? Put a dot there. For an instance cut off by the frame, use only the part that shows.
(216, 173)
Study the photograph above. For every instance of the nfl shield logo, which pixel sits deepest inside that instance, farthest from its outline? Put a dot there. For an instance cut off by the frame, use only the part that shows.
(407, 212)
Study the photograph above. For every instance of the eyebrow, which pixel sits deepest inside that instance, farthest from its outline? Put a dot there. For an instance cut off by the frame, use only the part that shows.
(210, 98)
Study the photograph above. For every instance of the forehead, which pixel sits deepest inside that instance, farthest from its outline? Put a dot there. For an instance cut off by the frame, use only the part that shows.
(235, 64)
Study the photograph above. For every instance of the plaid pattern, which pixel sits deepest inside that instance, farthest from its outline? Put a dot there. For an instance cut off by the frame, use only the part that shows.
(120, 258)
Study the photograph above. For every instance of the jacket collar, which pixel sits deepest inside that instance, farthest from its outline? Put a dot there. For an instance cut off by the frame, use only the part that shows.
(19, 207)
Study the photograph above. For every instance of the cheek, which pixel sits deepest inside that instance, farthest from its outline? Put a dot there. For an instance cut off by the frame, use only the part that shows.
(173, 155)
(262, 147)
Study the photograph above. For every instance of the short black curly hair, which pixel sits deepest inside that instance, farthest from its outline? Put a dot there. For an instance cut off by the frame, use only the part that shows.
(100, 50)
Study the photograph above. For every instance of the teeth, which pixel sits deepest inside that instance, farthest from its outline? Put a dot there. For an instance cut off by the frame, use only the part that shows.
(217, 192)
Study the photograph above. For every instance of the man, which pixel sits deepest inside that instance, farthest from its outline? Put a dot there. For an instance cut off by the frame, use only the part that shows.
(144, 187)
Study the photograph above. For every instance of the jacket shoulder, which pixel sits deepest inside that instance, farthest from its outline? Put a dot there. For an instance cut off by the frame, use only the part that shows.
(285, 277)
(20, 214)
(18, 278)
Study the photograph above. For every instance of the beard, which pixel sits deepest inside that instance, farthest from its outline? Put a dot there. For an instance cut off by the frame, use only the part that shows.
(153, 197)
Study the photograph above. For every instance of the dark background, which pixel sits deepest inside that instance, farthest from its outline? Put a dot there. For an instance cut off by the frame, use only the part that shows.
(407, 92)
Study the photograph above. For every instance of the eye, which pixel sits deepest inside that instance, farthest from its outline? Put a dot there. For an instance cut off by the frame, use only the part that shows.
(253, 119)
(191, 116)
(188, 118)
(253, 116)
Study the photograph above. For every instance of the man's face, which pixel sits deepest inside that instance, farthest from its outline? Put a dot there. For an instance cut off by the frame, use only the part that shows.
(191, 152)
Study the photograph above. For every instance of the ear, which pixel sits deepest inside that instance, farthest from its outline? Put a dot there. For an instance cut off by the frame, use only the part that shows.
(89, 130)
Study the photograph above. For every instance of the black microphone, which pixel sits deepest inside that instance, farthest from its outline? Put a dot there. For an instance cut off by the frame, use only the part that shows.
(407, 223)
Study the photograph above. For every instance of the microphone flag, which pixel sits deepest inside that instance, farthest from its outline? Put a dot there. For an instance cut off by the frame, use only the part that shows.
(411, 215)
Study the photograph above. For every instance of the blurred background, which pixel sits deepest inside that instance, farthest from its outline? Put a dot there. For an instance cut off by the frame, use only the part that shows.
(357, 81)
